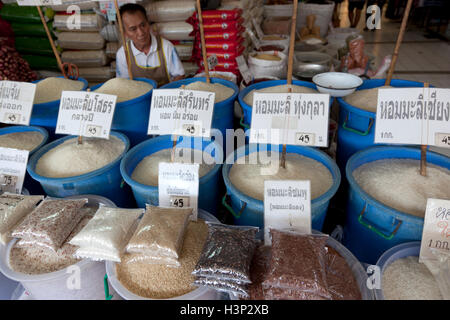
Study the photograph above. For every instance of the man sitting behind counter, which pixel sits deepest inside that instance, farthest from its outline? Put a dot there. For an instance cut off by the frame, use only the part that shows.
(151, 56)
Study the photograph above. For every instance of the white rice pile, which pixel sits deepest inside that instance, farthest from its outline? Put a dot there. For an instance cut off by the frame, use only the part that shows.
(249, 180)
(407, 279)
(146, 172)
(365, 99)
(222, 92)
(398, 184)
(248, 99)
(27, 140)
(124, 89)
(71, 159)
(50, 89)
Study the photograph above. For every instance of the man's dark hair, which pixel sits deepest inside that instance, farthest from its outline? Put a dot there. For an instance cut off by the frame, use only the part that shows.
(132, 8)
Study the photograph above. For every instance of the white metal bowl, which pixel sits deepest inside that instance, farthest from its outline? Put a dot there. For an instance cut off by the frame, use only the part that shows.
(337, 84)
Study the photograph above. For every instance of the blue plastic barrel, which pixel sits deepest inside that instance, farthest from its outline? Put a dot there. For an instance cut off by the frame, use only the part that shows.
(250, 211)
(29, 183)
(247, 119)
(223, 114)
(372, 227)
(208, 184)
(106, 181)
(46, 114)
(356, 130)
(131, 116)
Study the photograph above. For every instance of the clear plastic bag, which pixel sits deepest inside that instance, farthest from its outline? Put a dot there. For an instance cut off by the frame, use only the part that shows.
(235, 287)
(440, 269)
(160, 233)
(13, 208)
(297, 266)
(85, 58)
(227, 253)
(51, 222)
(106, 234)
(81, 40)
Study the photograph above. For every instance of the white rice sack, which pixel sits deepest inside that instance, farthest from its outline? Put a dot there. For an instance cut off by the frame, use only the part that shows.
(81, 40)
(106, 234)
(110, 33)
(366, 99)
(175, 30)
(85, 58)
(50, 89)
(83, 5)
(125, 89)
(99, 74)
(13, 208)
(111, 49)
(222, 92)
(164, 11)
(248, 99)
(89, 22)
(26, 140)
(71, 159)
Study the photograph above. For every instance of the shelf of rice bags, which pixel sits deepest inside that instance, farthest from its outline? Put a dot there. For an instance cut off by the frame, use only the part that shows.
(223, 30)
(168, 19)
(81, 40)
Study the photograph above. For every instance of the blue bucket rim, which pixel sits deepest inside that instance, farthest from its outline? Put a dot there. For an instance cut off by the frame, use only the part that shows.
(132, 152)
(225, 82)
(387, 255)
(37, 155)
(368, 198)
(134, 100)
(379, 83)
(21, 128)
(316, 202)
(46, 104)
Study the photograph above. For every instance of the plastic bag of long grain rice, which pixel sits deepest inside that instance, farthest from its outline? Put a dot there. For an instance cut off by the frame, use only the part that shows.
(89, 22)
(166, 11)
(175, 30)
(83, 5)
(99, 74)
(111, 49)
(268, 63)
(86, 58)
(111, 33)
(13, 208)
(184, 50)
(81, 40)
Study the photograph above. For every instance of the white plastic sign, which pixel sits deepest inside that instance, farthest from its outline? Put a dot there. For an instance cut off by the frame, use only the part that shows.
(178, 186)
(436, 229)
(181, 112)
(418, 116)
(243, 69)
(87, 114)
(16, 102)
(290, 118)
(13, 165)
(287, 205)
(39, 2)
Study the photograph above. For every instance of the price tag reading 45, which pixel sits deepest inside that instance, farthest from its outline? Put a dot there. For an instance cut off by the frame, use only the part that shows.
(86, 114)
(13, 165)
(290, 118)
(16, 102)
(178, 185)
(181, 112)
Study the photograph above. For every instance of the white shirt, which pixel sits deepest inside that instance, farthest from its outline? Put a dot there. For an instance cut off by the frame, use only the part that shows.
(173, 62)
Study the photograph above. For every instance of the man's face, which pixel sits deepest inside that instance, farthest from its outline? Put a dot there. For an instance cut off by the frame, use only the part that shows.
(137, 28)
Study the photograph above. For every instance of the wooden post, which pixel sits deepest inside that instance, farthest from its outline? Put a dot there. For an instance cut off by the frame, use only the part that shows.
(423, 151)
(399, 42)
(290, 67)
(50, 39)
(202, 38)
(122, 36)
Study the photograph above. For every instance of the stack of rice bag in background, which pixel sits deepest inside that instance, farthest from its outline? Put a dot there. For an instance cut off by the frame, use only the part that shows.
(30, 38)
(81, 41)
(168, 19)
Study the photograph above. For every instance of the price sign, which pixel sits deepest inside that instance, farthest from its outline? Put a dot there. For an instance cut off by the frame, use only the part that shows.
(181, 112)
(13, 165)
(243, 69)
(178, 185)
(436, 229)
(16, 102)
(418, 116)
(287, 205)
(87, 114)
(258, 29)
(290, 118)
